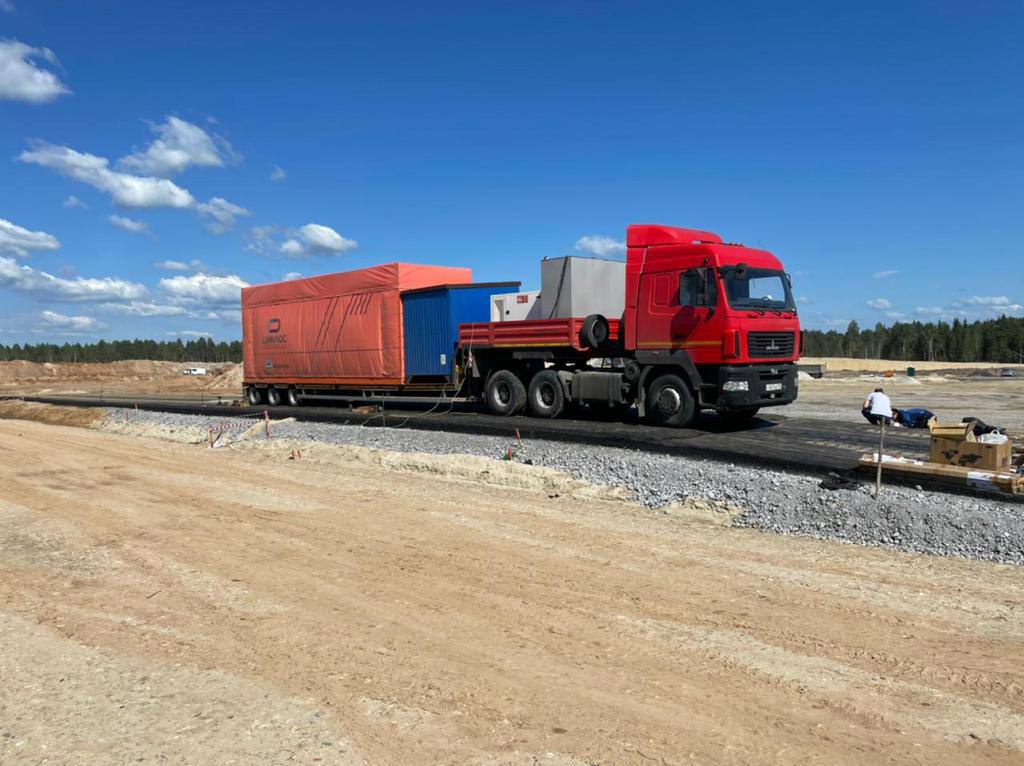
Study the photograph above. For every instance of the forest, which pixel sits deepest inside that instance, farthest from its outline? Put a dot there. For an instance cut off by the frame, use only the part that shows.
(197, 350)
(989, 340)
(992, 340)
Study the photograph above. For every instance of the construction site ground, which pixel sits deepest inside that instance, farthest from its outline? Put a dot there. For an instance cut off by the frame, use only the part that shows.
(164, 602)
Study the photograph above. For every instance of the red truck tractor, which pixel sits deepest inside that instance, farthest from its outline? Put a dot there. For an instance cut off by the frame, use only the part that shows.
(687, 323)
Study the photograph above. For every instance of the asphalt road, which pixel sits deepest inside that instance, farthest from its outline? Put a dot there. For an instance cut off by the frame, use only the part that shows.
(774, 440)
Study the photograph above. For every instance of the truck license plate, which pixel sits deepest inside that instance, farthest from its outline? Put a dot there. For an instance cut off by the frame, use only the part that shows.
(773, 387)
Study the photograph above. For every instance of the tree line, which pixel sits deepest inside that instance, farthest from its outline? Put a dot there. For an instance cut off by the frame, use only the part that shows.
(989, 340)
(197, 350)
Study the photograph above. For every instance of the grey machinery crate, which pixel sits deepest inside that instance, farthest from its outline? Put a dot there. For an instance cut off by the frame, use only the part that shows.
(574, 286)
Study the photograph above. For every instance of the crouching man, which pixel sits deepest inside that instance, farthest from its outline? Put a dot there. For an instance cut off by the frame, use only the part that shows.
(913, 417)
(877, 408)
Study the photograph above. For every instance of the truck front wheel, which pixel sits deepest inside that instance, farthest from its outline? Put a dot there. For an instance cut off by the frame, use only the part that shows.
(669, 402)
(505, 393)
(547, 399)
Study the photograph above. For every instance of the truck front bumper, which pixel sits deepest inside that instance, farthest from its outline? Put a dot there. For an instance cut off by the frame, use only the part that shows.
(756, 385)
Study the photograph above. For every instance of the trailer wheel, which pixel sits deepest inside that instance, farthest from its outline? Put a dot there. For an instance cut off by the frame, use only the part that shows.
(253, 396)
(505, 393)
(273, 396)
(594, 332)
(670, 402)
(546, 399)
(292, 397)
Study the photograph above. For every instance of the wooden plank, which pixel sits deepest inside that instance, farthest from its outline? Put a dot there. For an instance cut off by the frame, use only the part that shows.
(991, 481)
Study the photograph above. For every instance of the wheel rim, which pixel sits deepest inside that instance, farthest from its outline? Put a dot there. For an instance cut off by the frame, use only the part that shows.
(546, 394)
(503, 392)
(669, 400)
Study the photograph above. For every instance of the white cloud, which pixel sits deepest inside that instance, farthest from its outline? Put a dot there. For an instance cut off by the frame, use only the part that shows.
(7, 6)
(129, 190)
(128, 224)
(220, 214)
(190, 334)
(837, 322)
(40, 284)
(21, 76)
(179, 145)
(895, 314)
(144, 309)
(278, 173)
(803, 299)
(126, 190)
(21, 241)
(80, 323)
(291, 276)
(203, 288)
(193, 265)
(596, 244)
(983, 300)
(885, 274)
(1010, 308)
(879, 304)
(73, 202)
(316, 239)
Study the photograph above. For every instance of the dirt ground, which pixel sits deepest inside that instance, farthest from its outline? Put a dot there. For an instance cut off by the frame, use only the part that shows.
(998, 401)
(162, 602)
(133, 377)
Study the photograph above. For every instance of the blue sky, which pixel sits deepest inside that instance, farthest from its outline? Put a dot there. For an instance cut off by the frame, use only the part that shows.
(153, 158)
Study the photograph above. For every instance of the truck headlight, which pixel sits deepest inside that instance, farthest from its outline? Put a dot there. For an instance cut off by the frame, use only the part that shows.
(736, 385)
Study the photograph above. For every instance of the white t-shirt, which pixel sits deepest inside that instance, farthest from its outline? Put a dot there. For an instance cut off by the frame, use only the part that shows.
(880, 404)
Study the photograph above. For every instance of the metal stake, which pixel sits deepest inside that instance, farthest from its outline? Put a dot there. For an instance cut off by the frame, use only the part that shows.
(881, 453)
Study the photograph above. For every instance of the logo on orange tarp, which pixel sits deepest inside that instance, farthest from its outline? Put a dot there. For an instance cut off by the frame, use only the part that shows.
(274, 334)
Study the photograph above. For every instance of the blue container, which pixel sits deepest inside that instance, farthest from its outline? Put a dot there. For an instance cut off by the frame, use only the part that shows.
(431, 319)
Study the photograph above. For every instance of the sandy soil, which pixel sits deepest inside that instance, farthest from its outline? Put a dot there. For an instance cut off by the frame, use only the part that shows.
(999, 401)
(165, 602)
(839, 364)
(136, 377)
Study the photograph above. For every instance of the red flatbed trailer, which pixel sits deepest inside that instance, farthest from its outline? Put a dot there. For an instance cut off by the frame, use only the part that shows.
(535, 333)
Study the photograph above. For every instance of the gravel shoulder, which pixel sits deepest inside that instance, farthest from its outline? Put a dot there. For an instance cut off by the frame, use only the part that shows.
(771, 501)
(188, 605)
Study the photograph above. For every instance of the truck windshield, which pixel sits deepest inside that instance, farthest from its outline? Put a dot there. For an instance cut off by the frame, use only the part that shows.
(757, 289)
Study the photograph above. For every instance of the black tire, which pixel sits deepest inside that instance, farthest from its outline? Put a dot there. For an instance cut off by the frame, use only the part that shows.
(273, 397)
(505, 393)
(253, 396)
(546, 397)
(670, 402)
(594, 333)
(738, 417)
(292, 397)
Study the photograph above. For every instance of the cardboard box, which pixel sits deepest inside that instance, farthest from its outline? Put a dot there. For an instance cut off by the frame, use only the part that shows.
(954, 444)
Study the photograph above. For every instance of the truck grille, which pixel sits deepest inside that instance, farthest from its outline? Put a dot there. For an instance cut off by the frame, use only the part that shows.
(768, 344)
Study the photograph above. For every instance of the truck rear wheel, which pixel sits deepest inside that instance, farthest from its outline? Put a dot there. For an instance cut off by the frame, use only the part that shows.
(670, 402)
(292, 397)
(505, 393)
(546, 398)
(253, 396)
(273, 396)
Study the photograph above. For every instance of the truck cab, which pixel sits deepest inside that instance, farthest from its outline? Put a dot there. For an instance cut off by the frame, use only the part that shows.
(721, 314)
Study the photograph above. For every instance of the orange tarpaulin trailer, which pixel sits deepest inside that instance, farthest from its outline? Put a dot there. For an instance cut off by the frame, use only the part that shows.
(336, 329)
